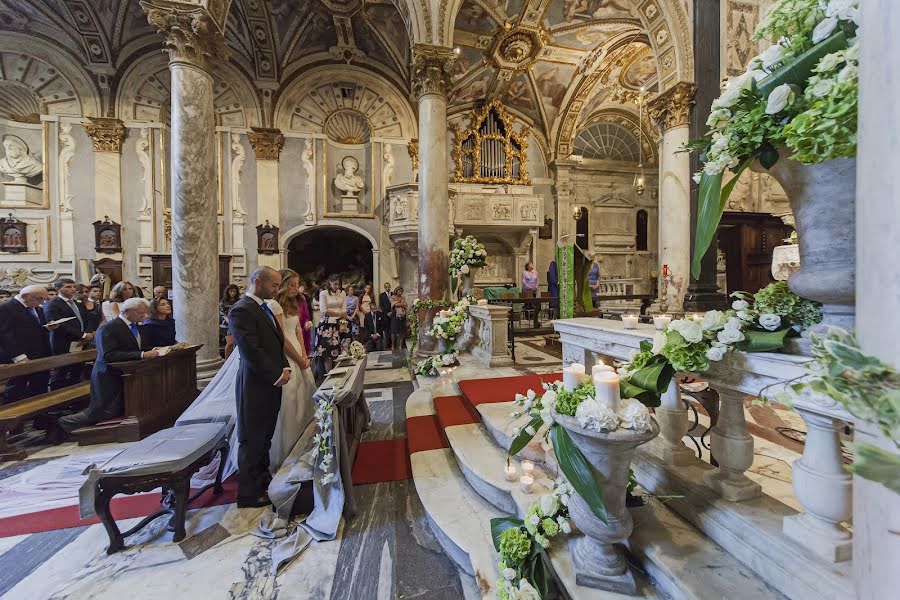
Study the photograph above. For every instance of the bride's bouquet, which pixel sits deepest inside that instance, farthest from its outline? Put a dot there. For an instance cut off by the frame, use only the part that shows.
(357, 351)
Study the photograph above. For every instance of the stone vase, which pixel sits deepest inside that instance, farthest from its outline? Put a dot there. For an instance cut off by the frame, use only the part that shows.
(465, 284)
(443, 345)
(598, 556)
(823, 200)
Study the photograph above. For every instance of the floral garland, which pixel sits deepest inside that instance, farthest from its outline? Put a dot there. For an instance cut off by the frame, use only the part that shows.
(448, 324)
(430, 367)
(801, 93)
(413, 319)
(322, 454)
(467, 253)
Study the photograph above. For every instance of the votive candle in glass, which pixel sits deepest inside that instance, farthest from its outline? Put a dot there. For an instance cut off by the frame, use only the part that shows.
(661, 321)
(510, 472)
(527, 483)
(630, 321)
(527, 467)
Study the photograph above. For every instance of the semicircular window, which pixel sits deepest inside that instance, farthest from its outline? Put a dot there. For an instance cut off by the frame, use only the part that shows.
(607, 141)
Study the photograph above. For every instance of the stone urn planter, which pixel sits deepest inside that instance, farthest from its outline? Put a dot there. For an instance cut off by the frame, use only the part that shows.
(465, 285)
(823, 200)
(598, 556)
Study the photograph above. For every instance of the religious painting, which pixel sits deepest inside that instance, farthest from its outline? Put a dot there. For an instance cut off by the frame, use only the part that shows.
(570, 11)
(318, 35)
(583, 38)
(468, 59)
(348, 180)
(473, 90)
(267, 238)
(390, 26)
(641, 73)
(473, 17)
(286, 15)
(521, 97)
(552, 80)
(13, 235)
(24, 165)
(107, 236)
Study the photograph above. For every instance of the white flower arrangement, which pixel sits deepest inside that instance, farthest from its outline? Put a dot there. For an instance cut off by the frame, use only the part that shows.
(634, 415)
(594, 416)
(323, 450)
(356, 351)
(448, 323)
(466, 254)
(431, 366)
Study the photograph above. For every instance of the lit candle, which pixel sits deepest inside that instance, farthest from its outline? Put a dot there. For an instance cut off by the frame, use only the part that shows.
(527, 467)
(697, 317)
(630, 321)
(510, 472)
(606, 389)
(527, 483)
(572, 376)
(600, 367)
(662, 321)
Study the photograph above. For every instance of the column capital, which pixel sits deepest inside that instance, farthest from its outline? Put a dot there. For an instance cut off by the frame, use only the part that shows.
(431, 69)
(266, 143)
(672, 108)
(106, 134)
(192, 34)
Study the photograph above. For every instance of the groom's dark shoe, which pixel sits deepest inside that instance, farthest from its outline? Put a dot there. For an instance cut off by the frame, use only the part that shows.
(254, 501)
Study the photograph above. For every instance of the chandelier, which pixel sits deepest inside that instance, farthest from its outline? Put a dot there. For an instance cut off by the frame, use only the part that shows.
(639, 181)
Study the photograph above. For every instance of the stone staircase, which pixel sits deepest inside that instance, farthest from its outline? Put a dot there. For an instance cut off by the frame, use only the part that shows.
(458, 452)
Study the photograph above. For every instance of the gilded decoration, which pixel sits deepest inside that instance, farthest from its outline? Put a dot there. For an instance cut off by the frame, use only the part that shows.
(266, 143)
(413, 148)
(106, 134)
(431, 69)
(672, 108)
(192, 36)
(488, 143)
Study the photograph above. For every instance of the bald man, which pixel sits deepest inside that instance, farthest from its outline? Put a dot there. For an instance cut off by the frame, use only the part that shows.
(25, 336)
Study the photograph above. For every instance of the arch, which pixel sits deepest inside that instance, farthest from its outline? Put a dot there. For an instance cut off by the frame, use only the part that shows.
(59, 83)
(627, 119)
(304, 229)
(306, 103)
(607, 141)
(417, 17)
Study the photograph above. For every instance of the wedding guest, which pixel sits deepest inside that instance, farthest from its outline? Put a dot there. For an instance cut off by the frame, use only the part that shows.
(385, 306)
(304, 314)
(529, 280)
(93, 314)
(72, 331)
(372, 330)
(398, 320)
(594, 278)
(24, 336)
(160, 291)
(5, 295)
(230, 295)
(159, 327)
(120, 292)
(366, 301)
(333, 332)
(353, 311)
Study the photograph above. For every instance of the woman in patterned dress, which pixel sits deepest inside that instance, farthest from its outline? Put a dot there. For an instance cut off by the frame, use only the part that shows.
(333, 332)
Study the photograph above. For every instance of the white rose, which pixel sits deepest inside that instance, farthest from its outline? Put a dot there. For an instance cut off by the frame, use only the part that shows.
(548, 400)
(780, 98)
(821, 88)
(745, 315)
(771, 56)
(852, 53)
(845, 10)
(547, 416)
(564, 525)
(509, 574)
(716, 353)
(733, 91)
(848, 73)
(740, 305)
(769, 321)
(720, 143)
(464, 269)
(527, 591)
(718, 118)
(829, 62)
(825, 28)
(634, 415)
(659, 341)
(713, 320)
(734, 324)
(534, 520)
(688, 329)
(549, 505)
(730, 336)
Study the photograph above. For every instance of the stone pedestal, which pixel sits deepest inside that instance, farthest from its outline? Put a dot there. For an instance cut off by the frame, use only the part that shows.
(22, 194)
(672, 416)
(489, 341)
(349, 204)
(732, 446)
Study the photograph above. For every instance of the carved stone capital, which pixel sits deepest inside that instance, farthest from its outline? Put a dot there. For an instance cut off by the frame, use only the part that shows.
(672, 108)
(192, 35)
(266, 143)
(106, 134)
(431, 69)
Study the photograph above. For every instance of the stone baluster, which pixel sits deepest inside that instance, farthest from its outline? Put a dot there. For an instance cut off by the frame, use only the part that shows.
(732, 447)
(193, 39)
(670, 111)
(672, 416)
(431, 80)
(823, 487)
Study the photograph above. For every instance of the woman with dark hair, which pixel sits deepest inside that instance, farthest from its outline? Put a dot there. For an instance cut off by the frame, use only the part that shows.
(398, 320)
(93, 313)
(230, 295)
(120, 292)
(159, 326)
(333, 332)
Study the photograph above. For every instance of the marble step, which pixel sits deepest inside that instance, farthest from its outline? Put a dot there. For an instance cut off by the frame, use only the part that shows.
(682, 561)
(501, 425)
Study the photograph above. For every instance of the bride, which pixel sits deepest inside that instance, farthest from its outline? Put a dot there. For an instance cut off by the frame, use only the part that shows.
(217, 401)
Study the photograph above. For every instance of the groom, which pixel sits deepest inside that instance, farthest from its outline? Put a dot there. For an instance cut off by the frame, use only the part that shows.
(264, 370)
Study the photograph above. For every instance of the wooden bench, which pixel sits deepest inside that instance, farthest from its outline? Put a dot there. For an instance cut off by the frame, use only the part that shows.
(14, 413)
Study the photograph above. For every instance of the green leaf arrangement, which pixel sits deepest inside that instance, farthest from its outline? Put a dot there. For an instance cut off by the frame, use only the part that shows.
(577, 470)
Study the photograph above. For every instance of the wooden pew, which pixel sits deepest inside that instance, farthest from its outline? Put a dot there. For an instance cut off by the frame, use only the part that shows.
(14, 413)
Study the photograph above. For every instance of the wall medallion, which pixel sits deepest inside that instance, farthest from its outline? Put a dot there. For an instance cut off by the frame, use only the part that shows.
(107, 236)
(13, 235)
(267, 238)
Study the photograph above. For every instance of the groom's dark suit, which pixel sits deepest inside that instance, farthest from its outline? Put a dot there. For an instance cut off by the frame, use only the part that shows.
(261, 344)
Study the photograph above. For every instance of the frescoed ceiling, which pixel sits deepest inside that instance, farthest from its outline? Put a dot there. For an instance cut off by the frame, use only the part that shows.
(534, 55)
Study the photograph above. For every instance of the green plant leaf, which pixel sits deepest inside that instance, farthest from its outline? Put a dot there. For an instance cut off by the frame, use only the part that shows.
(711, 204)
(646, 345)
(873, 463)
(797, 71)
(577, 470)
(500, 525)
(762, 341)
(646, 397)
(524, 437)
(654, 377)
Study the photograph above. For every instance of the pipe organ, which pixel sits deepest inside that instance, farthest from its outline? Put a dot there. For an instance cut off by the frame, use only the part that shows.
(489, 151)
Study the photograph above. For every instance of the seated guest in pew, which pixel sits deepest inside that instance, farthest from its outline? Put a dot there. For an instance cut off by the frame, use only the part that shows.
(5, 295)
(119, 340)
(159, 327)
(372, 329)
(72, 334)
(25, 336)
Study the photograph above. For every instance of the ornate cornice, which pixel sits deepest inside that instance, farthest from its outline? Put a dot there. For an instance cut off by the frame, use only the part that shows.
(266, 143)
(431, 69)
(192, 35)
(672, 108)
(106, 134)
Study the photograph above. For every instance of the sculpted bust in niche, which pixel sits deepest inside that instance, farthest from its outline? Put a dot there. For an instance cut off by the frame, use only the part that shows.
(17, 162)
(347, 180)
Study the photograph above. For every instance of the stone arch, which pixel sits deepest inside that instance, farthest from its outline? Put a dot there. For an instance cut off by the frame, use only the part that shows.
(301, 230)
(307, 102)
(58, 83)
(417, 17)
(144, 94)
(628, 119)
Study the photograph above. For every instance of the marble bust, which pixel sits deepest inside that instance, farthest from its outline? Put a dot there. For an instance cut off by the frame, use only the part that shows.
(17, 162)
(347, 180)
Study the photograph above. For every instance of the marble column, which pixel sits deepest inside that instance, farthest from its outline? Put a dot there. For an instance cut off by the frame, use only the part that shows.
(876, 510)
(431, 79)
(267, 145)
(670, 111)
(194, 41)
(107, 135)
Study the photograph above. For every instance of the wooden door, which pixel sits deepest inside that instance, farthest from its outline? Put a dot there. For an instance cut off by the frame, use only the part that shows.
(747, 240)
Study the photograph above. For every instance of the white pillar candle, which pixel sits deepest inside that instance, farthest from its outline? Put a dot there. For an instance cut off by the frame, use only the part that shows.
(527, 483)
(600, 367)
(606, 389)
(662, 321)
(510, 472)
(630, 321)
(527, 467)
(572, 376)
